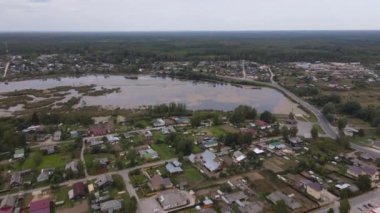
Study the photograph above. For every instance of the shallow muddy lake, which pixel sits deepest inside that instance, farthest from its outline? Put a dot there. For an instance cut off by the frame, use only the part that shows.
(149, 90)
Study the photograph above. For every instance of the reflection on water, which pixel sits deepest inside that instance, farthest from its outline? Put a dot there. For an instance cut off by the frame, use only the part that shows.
(151, 90)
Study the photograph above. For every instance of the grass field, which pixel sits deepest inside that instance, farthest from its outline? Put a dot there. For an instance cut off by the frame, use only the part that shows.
(48, 161)
(164, 151)
(191, 175)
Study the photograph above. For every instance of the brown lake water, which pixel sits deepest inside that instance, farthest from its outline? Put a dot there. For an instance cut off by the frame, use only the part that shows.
(149, 90)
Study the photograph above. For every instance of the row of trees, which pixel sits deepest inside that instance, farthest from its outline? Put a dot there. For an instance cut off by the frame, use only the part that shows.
(168, 109)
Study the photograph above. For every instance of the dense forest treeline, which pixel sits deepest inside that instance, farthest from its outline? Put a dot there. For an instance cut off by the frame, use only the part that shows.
(263, 47)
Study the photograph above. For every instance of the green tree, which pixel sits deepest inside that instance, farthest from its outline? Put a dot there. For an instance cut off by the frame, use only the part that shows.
(267, 117)
(293, 131)
(314, 132)
(195, 120)
(344, 206)
(364, 183)
(291, 116)
(285, 132)
(132, 157)
(342, 122)
(329, 108)
(331, 210)
(378, 130)
(37, 158)
(216, 120)
(361, 133)
(280, 207)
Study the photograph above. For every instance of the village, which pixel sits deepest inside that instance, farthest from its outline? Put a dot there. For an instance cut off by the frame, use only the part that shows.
(22, 66)
(197, 163)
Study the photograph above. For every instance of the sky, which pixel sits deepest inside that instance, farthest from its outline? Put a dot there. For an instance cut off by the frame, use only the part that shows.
(188, 15)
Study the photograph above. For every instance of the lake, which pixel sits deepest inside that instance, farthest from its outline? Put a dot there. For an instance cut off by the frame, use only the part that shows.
(149, 90)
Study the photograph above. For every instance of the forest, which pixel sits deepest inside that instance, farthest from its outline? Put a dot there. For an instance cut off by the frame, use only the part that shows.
(145, 47)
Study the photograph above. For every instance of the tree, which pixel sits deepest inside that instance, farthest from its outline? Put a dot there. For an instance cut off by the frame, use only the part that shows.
(342, 122)
(132, 157)
(364, 183)
(344, 206)
(291, 116)
(35, 119)
(331, 210)
(378, 130)
(216, 120)
(267, 117)
(314, 132)
(329, 108)
(285, 132)
(351, 107)
(361, 133)
(195, 120)
(293, 131)
(37, 158)
(280, 207)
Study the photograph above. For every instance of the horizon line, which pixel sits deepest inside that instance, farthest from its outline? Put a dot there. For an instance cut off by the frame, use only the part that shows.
(186, 31)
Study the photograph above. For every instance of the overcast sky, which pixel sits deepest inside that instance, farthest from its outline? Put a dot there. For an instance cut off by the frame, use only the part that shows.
(188, 15)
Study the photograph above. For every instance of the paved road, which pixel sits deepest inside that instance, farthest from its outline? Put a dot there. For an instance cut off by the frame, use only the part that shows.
(322, 121)
(83, 159)
(6, 69)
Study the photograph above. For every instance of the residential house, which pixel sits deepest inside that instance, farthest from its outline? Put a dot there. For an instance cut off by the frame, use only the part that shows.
(357, 171)
(19, 154)
(74, 134)
(258, 151)
(41, 206)
(95, 142)
(148, 134)
(350, 131)
(157, 182)
(101, 129)
(104, 181)
(261, 125)
(238, 156)
(110, 206)
(112, 138)
(210, 161)
(207, 203)
(209, 142)
(315, 189)
(148, 152)
(73, 166)
(294, 141)
(251, 207)
(48, 150)
(182, 120)
(44, 175)
(57, 135)
(290, 202)
(103, 162)
(276, 145)
(78, 191)
(34, 128)
(171, 199)
(174, 167)
(16, 179)
(167, 130)
(7, 204)
(192, 158)
(159, 122)
(234, 197)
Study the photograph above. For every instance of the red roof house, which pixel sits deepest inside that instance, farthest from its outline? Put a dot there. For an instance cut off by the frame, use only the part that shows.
(40, 206)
